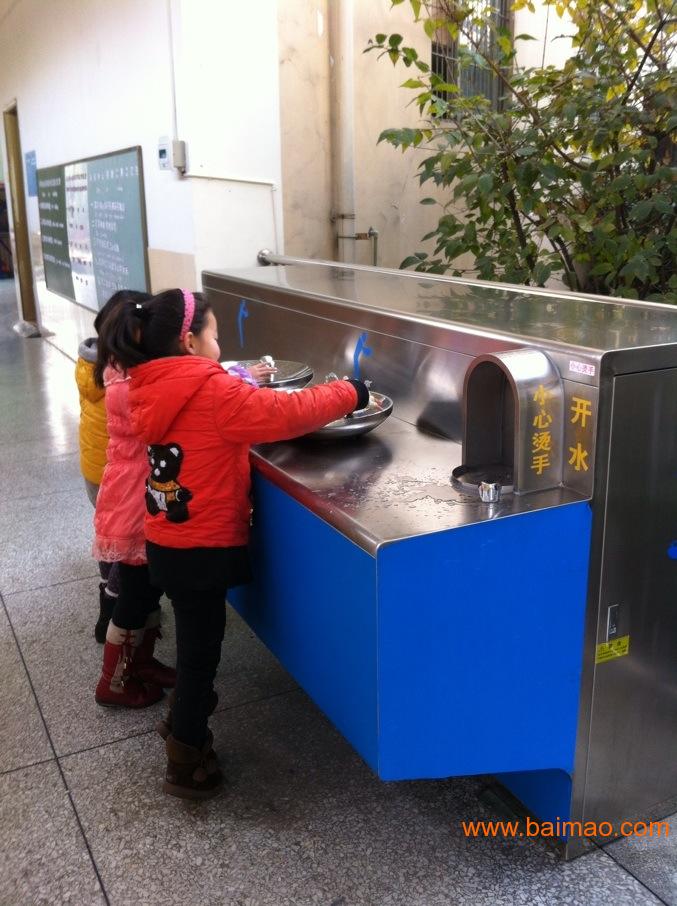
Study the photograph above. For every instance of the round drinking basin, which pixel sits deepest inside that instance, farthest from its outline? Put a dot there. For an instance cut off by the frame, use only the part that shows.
(289, 375)
(362, 421)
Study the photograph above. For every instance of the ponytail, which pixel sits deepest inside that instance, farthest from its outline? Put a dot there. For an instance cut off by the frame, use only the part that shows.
(114, 327)
(138, 328)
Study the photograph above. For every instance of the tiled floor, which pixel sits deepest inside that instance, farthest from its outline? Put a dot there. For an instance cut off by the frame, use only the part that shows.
(303, 820)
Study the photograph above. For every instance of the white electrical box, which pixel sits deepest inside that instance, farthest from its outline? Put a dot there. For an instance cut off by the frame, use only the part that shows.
(171, 154)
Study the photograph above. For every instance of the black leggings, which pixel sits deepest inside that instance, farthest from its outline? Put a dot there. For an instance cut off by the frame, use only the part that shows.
(110, 573)
(196, 581)
(200, 625)
(137, 598)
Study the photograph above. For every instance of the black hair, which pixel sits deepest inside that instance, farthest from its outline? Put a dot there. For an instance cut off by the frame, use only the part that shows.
(122, 295)
(136, 331)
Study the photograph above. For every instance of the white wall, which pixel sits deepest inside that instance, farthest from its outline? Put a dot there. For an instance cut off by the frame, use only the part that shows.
(95, 76)
(552, 45)
(228, 112)
(89, 77)
(387, 192)
(387, 187)
(306, 128)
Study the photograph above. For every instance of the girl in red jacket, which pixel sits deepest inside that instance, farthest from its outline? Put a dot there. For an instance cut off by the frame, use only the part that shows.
(198, 423)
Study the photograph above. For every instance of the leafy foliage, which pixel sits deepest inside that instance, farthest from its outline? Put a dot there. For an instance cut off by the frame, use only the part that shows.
(575, 174)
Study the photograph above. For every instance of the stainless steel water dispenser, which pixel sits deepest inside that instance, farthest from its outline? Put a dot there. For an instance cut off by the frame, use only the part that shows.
(555, 669)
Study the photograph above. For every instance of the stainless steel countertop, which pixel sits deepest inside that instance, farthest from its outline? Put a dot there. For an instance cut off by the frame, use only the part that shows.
(389, 485)
(593, 323)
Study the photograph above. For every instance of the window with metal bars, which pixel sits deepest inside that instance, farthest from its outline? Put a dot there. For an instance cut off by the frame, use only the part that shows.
(471, 79)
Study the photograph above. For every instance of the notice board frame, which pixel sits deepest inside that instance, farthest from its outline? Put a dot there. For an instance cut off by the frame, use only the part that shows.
(133, 149)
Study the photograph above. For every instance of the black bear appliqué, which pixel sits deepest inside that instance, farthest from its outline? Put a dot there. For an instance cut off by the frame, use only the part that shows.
(163, 491)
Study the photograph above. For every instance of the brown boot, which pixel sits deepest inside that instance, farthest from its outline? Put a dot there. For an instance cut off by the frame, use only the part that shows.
(116, 687)
(192, 773)
(146, 667)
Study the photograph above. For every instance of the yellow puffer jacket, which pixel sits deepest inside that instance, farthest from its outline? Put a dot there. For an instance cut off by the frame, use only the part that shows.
(93, 432)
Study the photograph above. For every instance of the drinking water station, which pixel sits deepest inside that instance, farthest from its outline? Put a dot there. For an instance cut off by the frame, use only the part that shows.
(485, 583)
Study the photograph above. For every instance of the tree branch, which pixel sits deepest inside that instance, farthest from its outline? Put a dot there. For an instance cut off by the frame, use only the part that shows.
(535, 118)
(514, 213)
(633, 34)
(647, 53)
(605, 24)
(561, 247)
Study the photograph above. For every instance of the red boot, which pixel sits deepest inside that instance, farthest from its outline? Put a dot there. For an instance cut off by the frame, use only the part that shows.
(147, 668)
(116, 687)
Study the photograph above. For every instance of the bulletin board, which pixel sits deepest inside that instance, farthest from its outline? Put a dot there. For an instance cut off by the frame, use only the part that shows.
(93, 227)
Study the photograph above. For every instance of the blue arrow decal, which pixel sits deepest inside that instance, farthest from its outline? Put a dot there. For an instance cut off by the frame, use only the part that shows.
(361, 348)
(241, 315)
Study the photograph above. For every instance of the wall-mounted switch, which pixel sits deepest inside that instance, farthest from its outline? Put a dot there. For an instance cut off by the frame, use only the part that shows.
(171, 154)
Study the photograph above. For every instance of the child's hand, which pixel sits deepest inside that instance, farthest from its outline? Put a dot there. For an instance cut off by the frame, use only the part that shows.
(260, 371)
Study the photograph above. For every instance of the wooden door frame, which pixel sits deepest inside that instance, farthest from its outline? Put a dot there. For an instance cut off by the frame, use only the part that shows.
(19, 237)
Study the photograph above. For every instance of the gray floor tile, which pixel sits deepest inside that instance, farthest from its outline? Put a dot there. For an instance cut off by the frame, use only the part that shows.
(27, 378)
(24, 741)
(44, 858)
(23, 477)
(652, 859)
(22, 420)
(17, 386)
(32, 364)
(40, 449)
(248, 671)
(45, 539)
(303, 821)
(29, 412)
(54, 628)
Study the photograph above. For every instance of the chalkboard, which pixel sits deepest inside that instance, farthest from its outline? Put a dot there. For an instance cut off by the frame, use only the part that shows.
(94, 218)
(52, 207)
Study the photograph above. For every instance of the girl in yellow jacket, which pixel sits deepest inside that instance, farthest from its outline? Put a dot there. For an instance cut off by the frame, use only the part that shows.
(93, 444)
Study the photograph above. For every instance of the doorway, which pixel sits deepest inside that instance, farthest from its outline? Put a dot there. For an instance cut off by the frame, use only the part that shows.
(19, 240)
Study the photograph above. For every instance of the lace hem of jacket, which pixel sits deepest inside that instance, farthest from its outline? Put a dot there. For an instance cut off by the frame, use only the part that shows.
(114, 551)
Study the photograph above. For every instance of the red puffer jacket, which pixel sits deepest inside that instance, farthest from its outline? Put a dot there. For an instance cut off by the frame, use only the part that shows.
(198, 423)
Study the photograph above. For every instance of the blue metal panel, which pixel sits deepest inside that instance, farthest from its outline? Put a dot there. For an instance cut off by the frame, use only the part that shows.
(313, 603)
(546, 794)
(453, 653)
(480, 635)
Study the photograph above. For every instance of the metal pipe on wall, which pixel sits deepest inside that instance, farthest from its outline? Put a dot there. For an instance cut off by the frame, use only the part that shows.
(341, 45)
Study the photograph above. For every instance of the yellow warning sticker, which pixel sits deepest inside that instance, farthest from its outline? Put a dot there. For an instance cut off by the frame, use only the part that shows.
(607, 651)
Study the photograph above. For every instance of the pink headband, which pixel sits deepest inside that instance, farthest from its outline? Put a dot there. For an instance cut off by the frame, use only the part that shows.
(188, 312)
